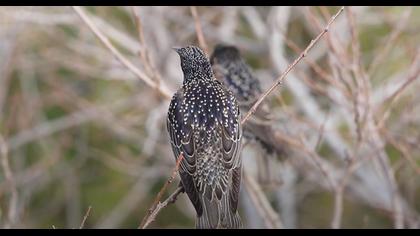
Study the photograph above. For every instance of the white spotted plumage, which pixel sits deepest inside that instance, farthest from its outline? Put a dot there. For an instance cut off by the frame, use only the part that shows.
(204, 125)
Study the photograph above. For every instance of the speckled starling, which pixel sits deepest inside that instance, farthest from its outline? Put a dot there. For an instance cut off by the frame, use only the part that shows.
(204, 125)
(230, 67)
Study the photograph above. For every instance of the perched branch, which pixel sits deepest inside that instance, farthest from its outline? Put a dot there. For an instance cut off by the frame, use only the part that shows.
(279, 81)
(151, 213)
(171, 199)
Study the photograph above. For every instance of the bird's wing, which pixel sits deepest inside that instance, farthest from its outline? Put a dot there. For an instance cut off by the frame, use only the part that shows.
(220, 198)
(225, 140)
(183, 144)
(232, 145)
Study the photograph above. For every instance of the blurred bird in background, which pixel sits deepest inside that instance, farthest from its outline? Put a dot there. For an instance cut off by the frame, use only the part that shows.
(204, 125)
(237, 75)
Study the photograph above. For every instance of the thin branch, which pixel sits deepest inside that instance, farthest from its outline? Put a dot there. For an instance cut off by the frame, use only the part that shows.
(6, 69)
(359, 72)
(414, 73)
(396, 204)
(171, 199)
(339, 191)
(390, 42)
(271, 218)
(279, 81)
(198, 30)
(398, 144)
(148, 218)
(12, 208)
(73, 119)
(317, 69)
(321, 131)
(85, 218)
(338, 209)
(160, 87)
(144, 52)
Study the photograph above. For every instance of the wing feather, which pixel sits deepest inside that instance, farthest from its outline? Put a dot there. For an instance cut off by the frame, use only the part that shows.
(187, 148)
(215, 202)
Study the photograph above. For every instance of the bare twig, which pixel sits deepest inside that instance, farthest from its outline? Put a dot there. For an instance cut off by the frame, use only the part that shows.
(318, 70)
(412, 76)
(334, 49)
(271, 218)
(6, 69)
(73, 119)
(397, 208)
(359, 72)
(390, 42)
(199, 31)
(338, 208)
(144, 52)
(339, 191)
(321, 131)
(280, 79)
(85, 218)
(12, 206)
(171, 199)
(160, 87)
(148, 218)
(399, 145)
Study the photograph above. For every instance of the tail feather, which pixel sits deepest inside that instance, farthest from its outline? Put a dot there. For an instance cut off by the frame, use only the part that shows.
(217, 214)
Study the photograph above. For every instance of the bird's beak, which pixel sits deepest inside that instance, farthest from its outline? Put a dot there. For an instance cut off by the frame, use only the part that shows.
(177, 49)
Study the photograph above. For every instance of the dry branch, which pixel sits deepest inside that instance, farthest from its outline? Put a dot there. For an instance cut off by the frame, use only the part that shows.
(171, 199)
(280, 79)
(85, 218)
(271, 218)
(144, 52)
(390, 41)
(414, 73)
(12, 205)
(154, 209)
(198, 30)
(339, 193)
(160, 87)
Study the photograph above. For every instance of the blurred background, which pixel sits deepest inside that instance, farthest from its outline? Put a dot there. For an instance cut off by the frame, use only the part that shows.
(79, 129)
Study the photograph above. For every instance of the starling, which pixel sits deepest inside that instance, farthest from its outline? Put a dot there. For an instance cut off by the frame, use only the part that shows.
(229, 67)
(204, 126)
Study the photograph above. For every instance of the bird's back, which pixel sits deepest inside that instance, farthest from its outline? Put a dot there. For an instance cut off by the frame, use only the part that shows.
(204, 124)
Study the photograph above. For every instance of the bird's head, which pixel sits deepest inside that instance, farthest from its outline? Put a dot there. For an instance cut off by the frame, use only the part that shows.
(190, 53)
(194, 63)
(225, 53)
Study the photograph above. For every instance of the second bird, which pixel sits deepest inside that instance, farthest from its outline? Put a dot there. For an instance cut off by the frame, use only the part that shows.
(231, 68)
